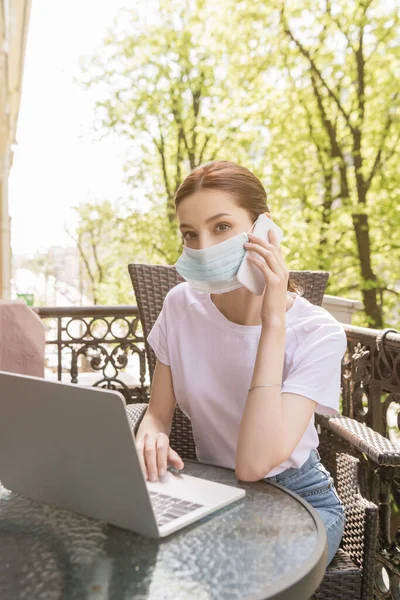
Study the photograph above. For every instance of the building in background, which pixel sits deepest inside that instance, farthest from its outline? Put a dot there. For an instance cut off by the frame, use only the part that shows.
(53, 277)
(14, 20)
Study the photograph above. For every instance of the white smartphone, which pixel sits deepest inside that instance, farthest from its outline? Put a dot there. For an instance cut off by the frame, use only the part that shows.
(249, 274)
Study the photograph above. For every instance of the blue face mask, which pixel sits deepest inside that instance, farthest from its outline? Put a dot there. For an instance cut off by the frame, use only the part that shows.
(213, 269)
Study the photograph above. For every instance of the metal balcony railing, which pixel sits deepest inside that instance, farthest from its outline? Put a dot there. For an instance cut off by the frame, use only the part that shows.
(97, 345)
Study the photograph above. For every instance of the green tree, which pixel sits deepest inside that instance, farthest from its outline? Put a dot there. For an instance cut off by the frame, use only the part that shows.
(170, 88)
(109, 236)
(304, 95)
(337, 64)
(95, 237)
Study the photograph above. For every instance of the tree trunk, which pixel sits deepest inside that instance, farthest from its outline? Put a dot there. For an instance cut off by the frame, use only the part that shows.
(373, 310)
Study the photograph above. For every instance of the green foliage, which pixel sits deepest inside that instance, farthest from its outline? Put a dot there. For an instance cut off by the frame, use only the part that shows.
(108, 238)
(305, 95)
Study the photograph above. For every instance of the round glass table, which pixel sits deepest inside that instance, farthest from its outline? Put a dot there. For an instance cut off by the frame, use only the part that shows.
(270, 544)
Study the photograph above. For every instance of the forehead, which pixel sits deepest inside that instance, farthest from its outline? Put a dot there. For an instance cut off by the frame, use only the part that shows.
(206, 203)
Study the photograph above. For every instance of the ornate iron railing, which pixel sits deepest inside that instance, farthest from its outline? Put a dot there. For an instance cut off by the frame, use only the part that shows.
(371, 378)
(85, 341)
(104, 340)
(371, 395)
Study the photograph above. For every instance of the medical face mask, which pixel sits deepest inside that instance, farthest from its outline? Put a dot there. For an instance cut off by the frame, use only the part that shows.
(213, 269)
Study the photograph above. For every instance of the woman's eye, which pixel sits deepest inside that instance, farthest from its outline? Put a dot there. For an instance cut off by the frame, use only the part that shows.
(224, 225)
(190, 235)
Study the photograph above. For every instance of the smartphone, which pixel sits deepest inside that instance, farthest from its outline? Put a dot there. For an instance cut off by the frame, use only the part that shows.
(249, 274)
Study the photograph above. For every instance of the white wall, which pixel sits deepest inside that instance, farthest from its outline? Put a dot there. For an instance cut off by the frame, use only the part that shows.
(341, 308)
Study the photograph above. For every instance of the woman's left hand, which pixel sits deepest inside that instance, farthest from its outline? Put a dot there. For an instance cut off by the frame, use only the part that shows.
(276, 277)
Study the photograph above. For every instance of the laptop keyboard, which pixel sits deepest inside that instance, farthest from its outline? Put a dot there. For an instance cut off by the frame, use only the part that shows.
(167, 508)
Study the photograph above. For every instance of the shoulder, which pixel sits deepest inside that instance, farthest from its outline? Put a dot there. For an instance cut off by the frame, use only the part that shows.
(314, 324)
(181, 296)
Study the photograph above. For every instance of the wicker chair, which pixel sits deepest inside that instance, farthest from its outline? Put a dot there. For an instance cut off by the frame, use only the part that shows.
(351, 573)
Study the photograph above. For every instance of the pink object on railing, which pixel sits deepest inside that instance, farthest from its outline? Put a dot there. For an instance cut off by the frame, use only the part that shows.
(22, 339)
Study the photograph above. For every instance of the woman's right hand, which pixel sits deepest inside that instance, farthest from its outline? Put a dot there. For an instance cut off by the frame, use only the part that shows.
(155, 454)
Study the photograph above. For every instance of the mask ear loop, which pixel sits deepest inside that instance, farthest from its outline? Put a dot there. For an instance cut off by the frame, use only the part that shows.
(251, 228)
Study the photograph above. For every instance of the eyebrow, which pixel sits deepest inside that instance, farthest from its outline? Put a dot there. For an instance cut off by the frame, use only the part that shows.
(182, 225)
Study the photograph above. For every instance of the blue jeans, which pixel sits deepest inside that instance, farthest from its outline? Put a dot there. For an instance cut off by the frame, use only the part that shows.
(313, 482)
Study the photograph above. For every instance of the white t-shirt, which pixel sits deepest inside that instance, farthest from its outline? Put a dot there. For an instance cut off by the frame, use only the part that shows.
(212, 361)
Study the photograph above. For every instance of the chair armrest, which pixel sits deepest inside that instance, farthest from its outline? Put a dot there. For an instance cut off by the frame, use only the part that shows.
(378, 448)
(361, 529)
(135, 414)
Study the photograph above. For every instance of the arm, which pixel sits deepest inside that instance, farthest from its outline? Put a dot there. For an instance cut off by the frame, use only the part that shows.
(152, 437)
(158, 417)
(272, 423)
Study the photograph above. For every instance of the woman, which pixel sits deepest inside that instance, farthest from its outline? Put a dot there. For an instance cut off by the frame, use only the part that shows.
(249, 371)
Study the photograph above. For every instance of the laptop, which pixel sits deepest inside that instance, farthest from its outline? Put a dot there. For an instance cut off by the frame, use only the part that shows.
(73, 447)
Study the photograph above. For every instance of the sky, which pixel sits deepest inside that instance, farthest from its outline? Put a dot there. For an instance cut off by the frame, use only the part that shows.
(57, 161)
